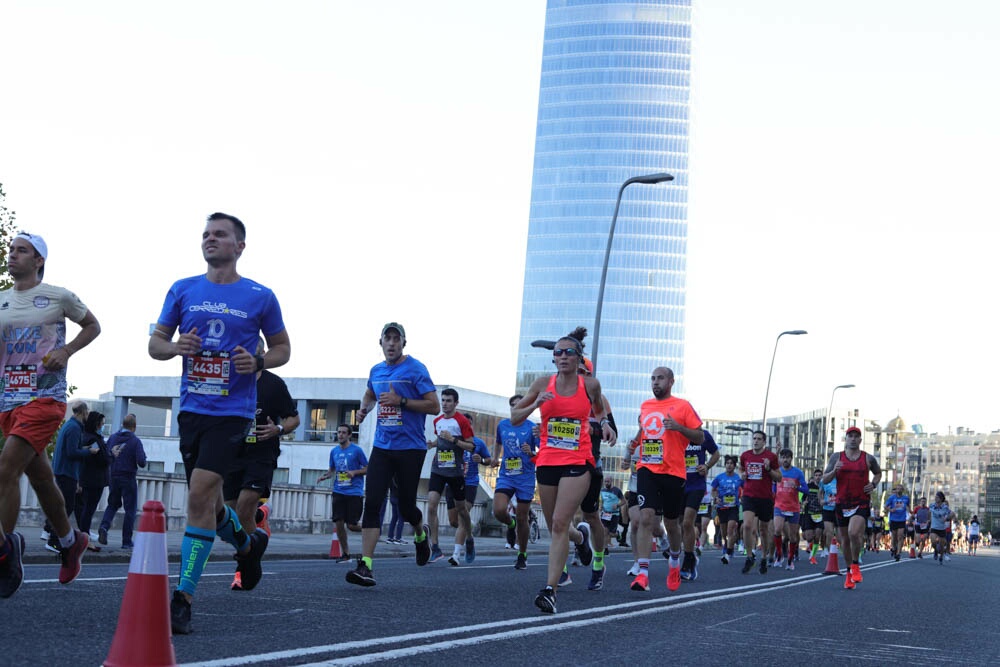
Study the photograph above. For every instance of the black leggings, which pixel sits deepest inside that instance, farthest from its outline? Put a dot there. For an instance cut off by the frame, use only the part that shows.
(384, 465)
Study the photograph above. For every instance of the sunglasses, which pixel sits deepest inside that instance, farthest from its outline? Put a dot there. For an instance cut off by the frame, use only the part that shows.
(571, 351)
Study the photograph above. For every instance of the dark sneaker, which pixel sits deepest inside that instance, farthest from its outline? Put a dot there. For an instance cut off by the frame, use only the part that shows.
(470, 550)
(423, 549)
(72, 557)
(346, 558)
(452, 561)
(12, 569)
(546, 601)
(180, 614)
(248, 564)
(361, 575)
(436, 553)
(511, 536)
(521, 563)
(596, 580)
(584, 552)
(748, 565)
(128, 547)
(52, 544)
(763, 566)
(102, 536)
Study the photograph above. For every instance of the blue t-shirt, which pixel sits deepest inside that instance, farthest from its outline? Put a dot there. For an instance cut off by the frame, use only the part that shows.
(225, 316)
(397, 427)
(516, 466)
(939, 516)
(898, 507)
(728, 487)
(471, 467)
(694, 456)
(830, 495)
(347, 458)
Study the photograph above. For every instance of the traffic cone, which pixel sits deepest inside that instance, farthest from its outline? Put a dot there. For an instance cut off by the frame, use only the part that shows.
(832, 564)
(913, 552)
(654, 544)
(335, 546)
(143, 634)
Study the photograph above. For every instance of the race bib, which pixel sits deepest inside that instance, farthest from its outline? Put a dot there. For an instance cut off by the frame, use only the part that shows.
(703, 508)
(251, 438)
(446, 459)
(343, 479)
(652, 451)
(691, 463)
(605, 516)
(849, 512)
(817, 518)
(787, 513)
(512, 466)
(755, 470)
(390, 415)
(208, 373)
(20, 382)
(729, 499)
(563, 433)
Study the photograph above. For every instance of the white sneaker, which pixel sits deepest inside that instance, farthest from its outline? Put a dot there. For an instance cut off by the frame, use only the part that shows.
(45, 535)
(947, 558)
(634, 570)
(823, 553)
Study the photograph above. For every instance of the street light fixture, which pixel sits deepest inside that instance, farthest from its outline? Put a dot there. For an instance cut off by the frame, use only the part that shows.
(793, 332)
(648, 179)
(829, 410)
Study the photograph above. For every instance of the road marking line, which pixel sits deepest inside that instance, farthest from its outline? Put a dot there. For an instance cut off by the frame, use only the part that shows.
(172, 576)
(890, 630)
(732, 620)
(630, 609)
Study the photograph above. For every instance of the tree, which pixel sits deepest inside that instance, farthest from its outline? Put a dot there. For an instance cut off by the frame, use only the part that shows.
(7, 218)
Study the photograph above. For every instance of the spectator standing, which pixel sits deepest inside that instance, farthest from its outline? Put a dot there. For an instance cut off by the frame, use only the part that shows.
(127, 456)
(93, 472)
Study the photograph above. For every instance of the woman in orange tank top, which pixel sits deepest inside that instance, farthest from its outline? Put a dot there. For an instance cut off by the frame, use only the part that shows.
(564, 465)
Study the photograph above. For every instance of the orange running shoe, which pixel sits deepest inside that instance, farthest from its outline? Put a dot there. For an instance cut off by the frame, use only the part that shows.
(640, 583)
(848, 581)
(812, 561)
(237, 584)
(264, 511)
(674, 578)
(856, 573)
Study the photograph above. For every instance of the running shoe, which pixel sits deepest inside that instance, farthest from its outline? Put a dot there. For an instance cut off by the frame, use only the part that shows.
(748, 565)
(565, 579)
(452, 561)
(470, 550)
(848, 581)
(72, 557)
(596, 579)
(102, 536)
(52, 544)
(237, 584)
(346, 558)
(422, 548)
(640, 583)
(634, 570)
(697, 551)
(897, 558)
(12, 569)
(436, 553)
(180, 614)
(546, 600)
(584, 552)
(920, 554)
(674, 578)
(692, 569)
(248, 564)
(361, 575)
(725, 558)
(856, 573)
(947, 558)
(812, 560)
(263, 512)
(521, 563)
(941, 561)
(791, 566)
(778, 563)
(763, 566)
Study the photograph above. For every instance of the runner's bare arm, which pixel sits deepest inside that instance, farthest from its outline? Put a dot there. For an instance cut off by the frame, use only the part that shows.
(831, 468)
(532, 399)
(279, 349)
(90, 328)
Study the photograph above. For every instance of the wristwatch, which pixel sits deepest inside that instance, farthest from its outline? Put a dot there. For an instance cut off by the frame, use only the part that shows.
(260, 362)
(281, 430)
(402, 402)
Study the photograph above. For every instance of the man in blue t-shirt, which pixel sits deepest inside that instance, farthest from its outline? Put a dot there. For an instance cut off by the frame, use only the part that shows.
(695, 488)
(348, 465)
(898, 506)
(220, 315)
(401, 390)
(471, 460)
(514, 453)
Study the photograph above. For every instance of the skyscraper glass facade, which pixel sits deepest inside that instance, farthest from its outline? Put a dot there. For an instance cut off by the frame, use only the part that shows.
(613, 104)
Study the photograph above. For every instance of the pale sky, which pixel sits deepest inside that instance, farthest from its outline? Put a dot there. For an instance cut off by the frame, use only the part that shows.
(380, 155)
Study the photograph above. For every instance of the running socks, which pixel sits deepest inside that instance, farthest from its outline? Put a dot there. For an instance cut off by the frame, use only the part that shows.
(644, 566)
(229, 529)
(195, 548)
(457, 552)
(675, 559)
(815, 550)
(417, 539)
(367, 561)
(598, 563)
(68, 540)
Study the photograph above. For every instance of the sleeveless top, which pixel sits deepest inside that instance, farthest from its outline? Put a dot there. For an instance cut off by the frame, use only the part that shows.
(565, 429)
(851, 481)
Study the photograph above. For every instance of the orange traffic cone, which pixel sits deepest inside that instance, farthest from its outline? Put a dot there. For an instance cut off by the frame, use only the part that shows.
(143, 634)
(335, 546)
(654, 544)
(832, 564)
(913, 552)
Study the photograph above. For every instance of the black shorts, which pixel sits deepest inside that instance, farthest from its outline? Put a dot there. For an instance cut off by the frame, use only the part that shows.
(922, 531)
(661, 492)
(470, 495)
(253, 469)
(830, 516)
(456, 484)
(943, 534)
(692, 499)
(347, 508)
(211, 443)
(632, 498)
(763, 508)
(727, 514)
(611, 524)
(808, 523)
(591, 501)
(897, 525)
(973, 539)
(863, 511)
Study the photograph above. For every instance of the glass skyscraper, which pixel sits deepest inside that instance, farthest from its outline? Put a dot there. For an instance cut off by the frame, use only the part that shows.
(613, 104)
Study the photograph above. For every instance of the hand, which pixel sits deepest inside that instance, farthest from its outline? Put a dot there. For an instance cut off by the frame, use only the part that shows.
(702, 470)
(189, 343)
(767, 464)
(495, 463)
(268, 430)
(542, 397)
(56, 359)
(609, 435)
(243, 362)
(670, 425)
(526, 448)
(324, 476)
(838, 465)
(94, 448)
(389, 397)
(362, 413)
(869, 487)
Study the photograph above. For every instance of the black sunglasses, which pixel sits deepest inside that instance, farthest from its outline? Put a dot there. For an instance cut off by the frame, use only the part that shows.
(571, 351)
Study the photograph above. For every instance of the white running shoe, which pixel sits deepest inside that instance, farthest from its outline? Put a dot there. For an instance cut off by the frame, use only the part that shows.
(634, 570)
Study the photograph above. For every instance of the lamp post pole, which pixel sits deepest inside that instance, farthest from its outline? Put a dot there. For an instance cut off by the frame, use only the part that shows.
(829, 411)
(767, 393)
(649, 179)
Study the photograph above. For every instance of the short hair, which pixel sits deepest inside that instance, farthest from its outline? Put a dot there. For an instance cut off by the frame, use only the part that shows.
(129, 422)
(785, 452)
(238, 226)
(761, 433)
(79, 408)
(350, 429)
(93, 422)
(730, 457)
(450, 392)
(515, 399)
(817, 471)
(941, 493)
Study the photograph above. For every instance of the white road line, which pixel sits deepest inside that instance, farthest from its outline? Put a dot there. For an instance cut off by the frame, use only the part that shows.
(732, 620)
(172, 576)
(553, 623)
(889, 630)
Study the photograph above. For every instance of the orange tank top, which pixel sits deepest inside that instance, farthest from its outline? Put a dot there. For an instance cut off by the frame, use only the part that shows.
(565, 430)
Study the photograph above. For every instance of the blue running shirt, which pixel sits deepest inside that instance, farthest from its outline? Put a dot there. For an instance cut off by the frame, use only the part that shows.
(398, 428)
(347, 458)
(516, 466)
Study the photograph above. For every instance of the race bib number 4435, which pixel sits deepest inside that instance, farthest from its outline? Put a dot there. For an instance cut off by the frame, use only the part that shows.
(208, 373)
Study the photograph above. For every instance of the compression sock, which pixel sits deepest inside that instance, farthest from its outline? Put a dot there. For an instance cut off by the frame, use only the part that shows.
(815, 550)
(367, 561)
(598, 562)
(644, 566)
(229, 530)
(195, 548)
(417, 539)
(777, 548)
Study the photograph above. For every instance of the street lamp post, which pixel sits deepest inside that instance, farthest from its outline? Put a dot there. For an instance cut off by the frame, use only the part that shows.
(649, 179)
(829, 410)
(763, 419)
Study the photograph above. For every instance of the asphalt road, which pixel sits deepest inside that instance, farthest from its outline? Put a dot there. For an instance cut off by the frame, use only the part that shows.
(914, 612)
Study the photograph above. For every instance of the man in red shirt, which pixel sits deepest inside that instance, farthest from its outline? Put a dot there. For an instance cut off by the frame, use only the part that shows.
(759, 468)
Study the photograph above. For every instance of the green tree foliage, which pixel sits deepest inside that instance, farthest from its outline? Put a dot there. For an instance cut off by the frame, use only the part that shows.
(6, 233)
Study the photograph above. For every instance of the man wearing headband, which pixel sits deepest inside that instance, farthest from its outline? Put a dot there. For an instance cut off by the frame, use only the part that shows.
(33, 358)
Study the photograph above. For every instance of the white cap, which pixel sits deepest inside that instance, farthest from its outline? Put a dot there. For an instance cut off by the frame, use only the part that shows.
(37, 242)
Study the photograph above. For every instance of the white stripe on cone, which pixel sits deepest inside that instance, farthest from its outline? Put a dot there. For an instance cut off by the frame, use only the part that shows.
(149, 555)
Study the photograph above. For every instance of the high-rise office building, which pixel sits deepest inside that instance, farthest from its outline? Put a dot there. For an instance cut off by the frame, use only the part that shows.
(613, 104)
